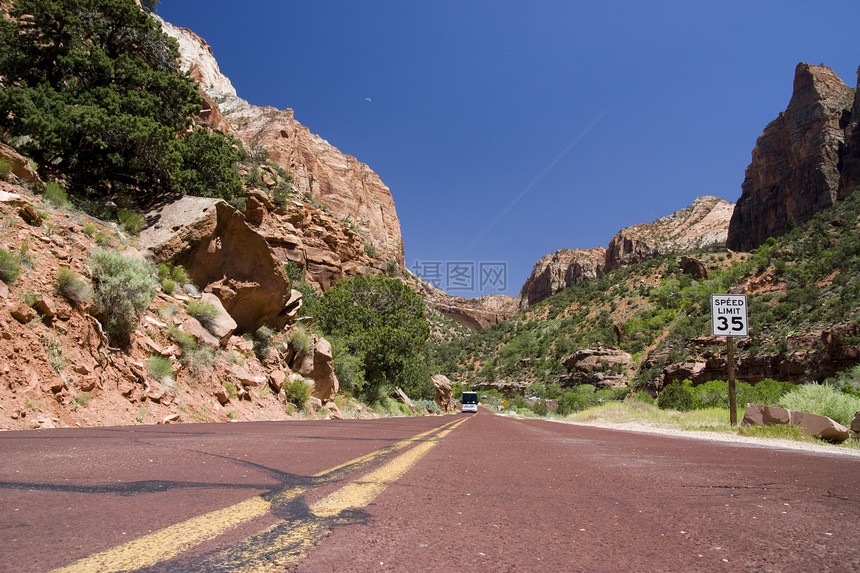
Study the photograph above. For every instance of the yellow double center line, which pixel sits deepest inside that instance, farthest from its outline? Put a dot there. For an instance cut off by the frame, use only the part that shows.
(175, 539)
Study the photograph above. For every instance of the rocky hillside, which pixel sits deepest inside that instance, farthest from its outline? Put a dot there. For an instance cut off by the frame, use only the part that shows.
(805, 160)
(59, 367)
(647, 324)
(473, 313)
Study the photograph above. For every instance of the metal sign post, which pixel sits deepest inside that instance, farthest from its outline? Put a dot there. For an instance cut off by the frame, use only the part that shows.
(729, 319)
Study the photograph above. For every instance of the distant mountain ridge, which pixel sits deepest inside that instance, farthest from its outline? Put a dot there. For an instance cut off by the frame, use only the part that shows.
(805, 160)
(703, 224)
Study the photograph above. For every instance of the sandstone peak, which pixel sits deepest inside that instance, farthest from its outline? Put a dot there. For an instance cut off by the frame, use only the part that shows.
(805, 160)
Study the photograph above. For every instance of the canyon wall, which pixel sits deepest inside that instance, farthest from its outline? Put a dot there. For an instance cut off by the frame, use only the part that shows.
(321, 174)
(804, 161)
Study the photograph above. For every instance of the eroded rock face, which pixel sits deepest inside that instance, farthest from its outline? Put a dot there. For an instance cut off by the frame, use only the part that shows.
(555, 272)
(804, 161)
(703, 224)
(850, 179)
(347, 187)
(599, 366)
(223, 256)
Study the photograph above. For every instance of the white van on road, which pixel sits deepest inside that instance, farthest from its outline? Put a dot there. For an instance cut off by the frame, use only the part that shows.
(470, 402)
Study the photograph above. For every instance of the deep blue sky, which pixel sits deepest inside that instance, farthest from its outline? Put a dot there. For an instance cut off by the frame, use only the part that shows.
(509, 130)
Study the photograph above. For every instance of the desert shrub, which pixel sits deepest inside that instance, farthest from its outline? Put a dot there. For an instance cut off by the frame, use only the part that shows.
(197, 358)
(131, 221)
(294, 271)
(102, 239)
(90, 229)
(263, 339)
(540, 408)
(297, 391)
(585, 390)
(822, 399)
(123, 288)
(185, 340)
(712, 394)
(677, 396)
(179, 274)
(299, 342)
(71, 286)
(848, 380)
(370, 250)
(160, 367)
(377, 394)
(171, 276)
(56, 194)
(54, 353)
(5, 169)
(10, 266)
(203, 311)
(641, 397)
(348, 368)
(424, 404)
(767, 392)
(231, 389)
(168, 285)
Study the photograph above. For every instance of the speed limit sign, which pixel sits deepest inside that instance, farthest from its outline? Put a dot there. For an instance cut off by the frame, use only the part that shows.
(729, 315)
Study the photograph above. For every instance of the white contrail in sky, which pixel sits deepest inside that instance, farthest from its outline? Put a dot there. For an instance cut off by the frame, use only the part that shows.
(538, 178)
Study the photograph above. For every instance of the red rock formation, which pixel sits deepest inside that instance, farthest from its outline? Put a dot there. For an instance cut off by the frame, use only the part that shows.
(557, 271)
(224, 256)
(703, 224)
(798, 161)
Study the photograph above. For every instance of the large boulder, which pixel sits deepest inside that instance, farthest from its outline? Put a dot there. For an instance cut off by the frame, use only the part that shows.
(813, 424)
(20, 166)
(443, 388)
(325, 382)
(222, 324)
(317, 364)
(223, 256)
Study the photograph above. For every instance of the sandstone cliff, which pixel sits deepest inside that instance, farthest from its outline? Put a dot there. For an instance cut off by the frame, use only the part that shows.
(804, 161)
(474, 313)
(557, 271)
(321, 174)
(703, 224)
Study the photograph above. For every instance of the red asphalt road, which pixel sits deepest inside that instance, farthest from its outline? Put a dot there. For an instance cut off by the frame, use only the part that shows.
(496, 494)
